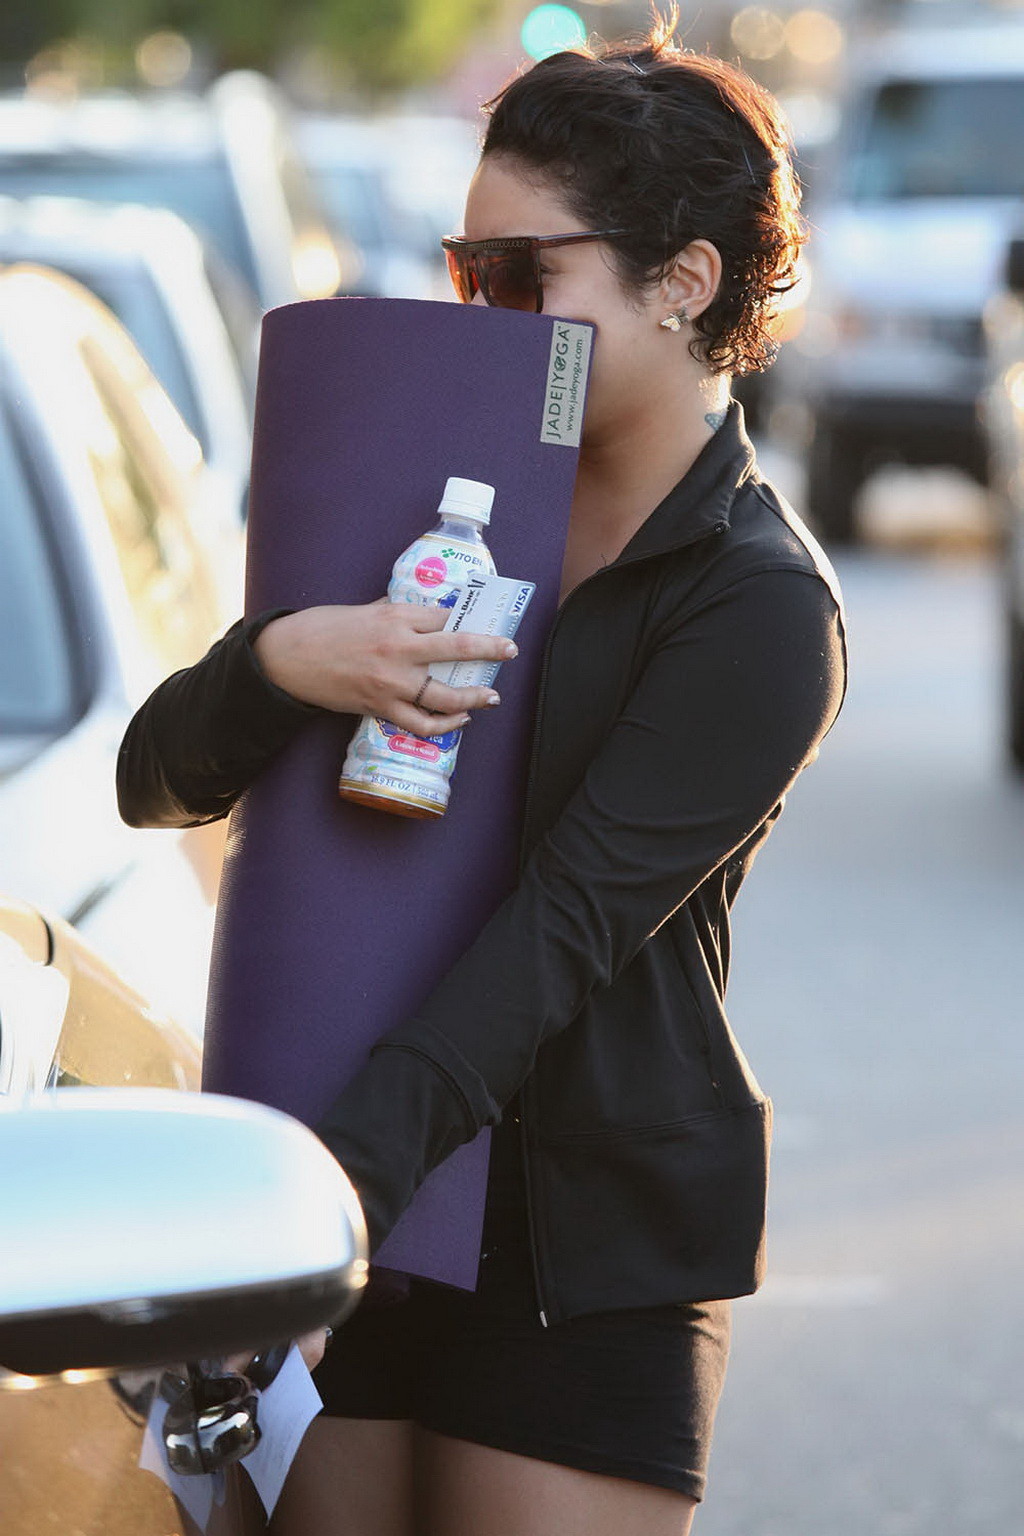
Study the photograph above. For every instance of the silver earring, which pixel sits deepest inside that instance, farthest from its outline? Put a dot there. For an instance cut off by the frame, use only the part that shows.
(674, 321)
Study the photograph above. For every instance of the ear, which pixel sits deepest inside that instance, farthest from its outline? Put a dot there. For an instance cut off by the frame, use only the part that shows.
(692, 280)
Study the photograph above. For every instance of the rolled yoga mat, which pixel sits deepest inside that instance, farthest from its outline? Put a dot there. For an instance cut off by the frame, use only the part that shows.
(335, 921)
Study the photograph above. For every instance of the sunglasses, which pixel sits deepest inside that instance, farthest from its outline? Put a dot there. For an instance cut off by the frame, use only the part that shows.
(507, 272)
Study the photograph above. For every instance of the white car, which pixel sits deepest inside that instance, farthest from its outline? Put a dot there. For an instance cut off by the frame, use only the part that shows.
(171, 293)
(113, 545)
(908, 231)
(225, 162)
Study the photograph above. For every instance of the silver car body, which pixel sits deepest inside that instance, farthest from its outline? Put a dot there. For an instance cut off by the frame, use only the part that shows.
(111, 532)
(224, 162)
(152, 271)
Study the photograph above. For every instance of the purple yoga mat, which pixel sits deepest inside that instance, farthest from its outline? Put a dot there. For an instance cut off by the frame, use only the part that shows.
(335, 921)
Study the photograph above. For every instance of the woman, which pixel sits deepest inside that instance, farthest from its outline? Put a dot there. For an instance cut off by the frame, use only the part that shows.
(697, 662)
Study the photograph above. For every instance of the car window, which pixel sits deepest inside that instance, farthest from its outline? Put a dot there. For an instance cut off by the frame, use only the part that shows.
(241, 316)
(136, 300)
(200, 190)
(942, 138)
(36, 681)
(353, 199)
(160, 559)
(300, 195)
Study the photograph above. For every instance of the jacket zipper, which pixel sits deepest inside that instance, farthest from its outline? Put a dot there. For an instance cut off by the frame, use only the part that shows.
(531, 1224)
(520, 1099)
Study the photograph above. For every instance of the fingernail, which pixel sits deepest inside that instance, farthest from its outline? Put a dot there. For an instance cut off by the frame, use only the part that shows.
(464, 721)
(493, 698)
(510, 649)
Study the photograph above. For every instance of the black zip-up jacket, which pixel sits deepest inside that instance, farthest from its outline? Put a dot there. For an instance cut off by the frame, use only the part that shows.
(685, 686)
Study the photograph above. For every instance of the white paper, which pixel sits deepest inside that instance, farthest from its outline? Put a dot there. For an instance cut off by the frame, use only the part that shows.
(286, 1410)
(196, 1495)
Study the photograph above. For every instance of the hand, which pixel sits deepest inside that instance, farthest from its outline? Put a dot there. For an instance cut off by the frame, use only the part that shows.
(311, 1347)
(374, 660)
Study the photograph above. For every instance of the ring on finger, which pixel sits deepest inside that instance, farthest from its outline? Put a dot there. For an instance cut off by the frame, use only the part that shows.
(418, 700)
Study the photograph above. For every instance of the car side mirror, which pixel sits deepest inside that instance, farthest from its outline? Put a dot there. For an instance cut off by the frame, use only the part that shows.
(143, 1226)
(1014, 269)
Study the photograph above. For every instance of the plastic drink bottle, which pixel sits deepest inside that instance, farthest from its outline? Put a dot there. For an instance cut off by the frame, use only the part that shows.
(385, 767)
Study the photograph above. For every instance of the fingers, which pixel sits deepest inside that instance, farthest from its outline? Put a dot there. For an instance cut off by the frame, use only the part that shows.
(311, 1346)
(420, 722)
(442, 700)
(457, 645)
(423, 619)
(438, 709)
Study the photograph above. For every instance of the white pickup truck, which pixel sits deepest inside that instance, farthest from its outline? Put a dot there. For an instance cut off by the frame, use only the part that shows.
(908, 234)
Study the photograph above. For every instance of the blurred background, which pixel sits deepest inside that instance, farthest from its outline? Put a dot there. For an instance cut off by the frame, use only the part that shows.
(169, 171)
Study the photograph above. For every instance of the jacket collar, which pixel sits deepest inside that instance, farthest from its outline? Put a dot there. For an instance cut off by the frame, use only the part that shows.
(702, 501)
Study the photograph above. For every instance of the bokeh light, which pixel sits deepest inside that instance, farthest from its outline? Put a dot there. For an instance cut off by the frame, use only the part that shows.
(1014, 382)
(64, 70)
(316, 267)
(164, 59)
(813, 117)
(758, 33)
(814, 37)
(550, 28)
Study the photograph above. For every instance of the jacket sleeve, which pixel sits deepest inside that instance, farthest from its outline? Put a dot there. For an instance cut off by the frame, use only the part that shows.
(203, 735)
(730, 707)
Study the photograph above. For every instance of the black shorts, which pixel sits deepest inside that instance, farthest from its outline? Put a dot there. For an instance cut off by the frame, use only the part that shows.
(630, 1393)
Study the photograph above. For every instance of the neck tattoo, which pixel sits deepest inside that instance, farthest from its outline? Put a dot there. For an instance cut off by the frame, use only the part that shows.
(715, 419)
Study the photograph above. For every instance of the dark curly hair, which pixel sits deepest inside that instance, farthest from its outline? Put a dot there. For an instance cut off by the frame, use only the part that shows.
(671, 146)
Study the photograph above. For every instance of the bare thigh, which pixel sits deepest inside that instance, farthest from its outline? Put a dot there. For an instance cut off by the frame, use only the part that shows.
(351, 1477)
(472, 1490)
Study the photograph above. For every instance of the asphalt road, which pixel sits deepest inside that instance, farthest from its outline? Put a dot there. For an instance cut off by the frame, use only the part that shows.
(877, 1383)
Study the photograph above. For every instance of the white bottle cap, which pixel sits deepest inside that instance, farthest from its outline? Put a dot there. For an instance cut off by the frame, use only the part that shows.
(467, 498)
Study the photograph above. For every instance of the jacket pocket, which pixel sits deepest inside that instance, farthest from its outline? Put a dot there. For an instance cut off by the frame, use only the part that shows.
(668, 1130)
(671, 1212)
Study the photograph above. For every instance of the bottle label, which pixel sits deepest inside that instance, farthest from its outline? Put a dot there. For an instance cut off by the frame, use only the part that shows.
(414, 746)
(380, 754)
(434, 569)
(431, 572)
(382, 758)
